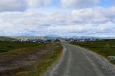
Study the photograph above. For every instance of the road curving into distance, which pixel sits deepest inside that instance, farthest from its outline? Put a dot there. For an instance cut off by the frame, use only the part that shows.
(77, 61)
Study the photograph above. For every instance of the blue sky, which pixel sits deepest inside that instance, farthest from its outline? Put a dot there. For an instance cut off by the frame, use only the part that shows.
(58, 17)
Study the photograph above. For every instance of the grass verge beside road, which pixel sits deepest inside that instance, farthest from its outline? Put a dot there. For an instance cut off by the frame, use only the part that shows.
(104, 48)
(27, 59)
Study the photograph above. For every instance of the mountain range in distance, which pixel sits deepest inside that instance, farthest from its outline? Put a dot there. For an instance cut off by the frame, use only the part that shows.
(9, 38)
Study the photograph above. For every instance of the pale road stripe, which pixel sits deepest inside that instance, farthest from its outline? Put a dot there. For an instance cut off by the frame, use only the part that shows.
(98, 72)
(68, 64)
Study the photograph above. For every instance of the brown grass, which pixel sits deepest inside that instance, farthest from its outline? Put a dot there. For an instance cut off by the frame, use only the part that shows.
(30, 61)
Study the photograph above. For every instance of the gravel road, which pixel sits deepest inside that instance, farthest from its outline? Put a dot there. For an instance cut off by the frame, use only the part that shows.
(77, 61)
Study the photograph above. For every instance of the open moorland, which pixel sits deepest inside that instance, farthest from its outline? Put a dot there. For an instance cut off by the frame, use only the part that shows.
(26, 58)
(6, 38)
(105, 48)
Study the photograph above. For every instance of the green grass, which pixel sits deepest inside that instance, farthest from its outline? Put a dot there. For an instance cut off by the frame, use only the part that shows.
(13, 50)
(5, 38)
(48, 60)
(6, 46)
(104, 48)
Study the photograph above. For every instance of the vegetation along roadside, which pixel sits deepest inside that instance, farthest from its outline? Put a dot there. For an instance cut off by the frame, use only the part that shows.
(105, 48)
(27, 59)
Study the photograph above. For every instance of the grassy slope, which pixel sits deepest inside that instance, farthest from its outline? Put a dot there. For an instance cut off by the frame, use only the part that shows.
(18, 51)
(104, 48)
(5, 38)
(48, 60)
(6, 46)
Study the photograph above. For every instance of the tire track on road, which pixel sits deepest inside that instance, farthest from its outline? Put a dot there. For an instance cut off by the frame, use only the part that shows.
(97, 70)
(77, 61)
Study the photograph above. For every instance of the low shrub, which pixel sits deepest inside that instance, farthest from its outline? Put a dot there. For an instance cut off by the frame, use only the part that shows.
(112, 58)
(104, 48)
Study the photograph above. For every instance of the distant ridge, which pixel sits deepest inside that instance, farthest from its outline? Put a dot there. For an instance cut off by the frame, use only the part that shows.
(27, 37)
(6, 38)
(51, 35)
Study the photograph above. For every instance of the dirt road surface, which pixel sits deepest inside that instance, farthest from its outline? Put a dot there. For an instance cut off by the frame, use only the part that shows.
(77, 61)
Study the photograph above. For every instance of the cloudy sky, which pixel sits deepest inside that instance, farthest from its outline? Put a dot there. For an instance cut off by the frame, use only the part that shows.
(57, 17)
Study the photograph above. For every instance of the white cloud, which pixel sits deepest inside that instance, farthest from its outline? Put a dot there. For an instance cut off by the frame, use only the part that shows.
(21, 5)
(105, 29)
(89, 21)
(78, 3)
(38, 3)
(94, 15)
(54, 20)
(12, 5)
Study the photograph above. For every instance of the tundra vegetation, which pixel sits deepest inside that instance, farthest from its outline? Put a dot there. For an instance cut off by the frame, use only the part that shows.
(26, 58)
(4, 38)
(105, 48)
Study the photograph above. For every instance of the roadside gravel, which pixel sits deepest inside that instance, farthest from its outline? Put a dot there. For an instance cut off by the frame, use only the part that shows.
(100, 66)
(102, 62)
